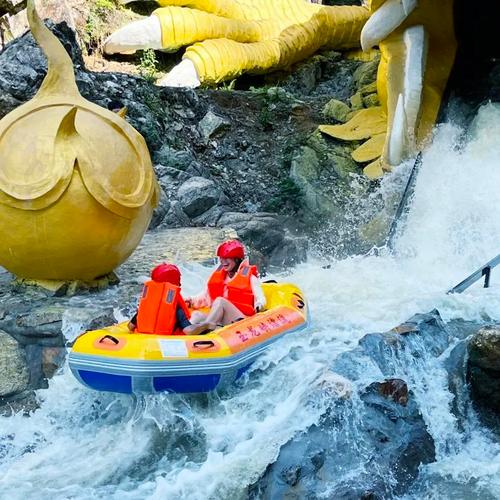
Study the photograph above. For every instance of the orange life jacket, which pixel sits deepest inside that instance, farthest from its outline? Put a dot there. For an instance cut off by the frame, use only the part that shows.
(158, 308)
(238, 291)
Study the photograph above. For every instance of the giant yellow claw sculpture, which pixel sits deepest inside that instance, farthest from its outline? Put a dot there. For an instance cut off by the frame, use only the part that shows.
(77, 187)
(225, 38)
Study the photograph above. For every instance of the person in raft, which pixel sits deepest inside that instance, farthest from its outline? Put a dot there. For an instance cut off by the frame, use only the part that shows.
(233, 291)
(162, 310)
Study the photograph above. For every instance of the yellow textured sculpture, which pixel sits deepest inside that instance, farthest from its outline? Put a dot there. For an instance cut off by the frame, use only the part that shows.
(77, 187)
(236, 36)
(417, 45)
(228, 37)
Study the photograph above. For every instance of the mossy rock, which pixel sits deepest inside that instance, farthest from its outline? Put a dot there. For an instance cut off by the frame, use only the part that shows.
(366, 73)
(305, 172)
(336, 110)
(371, 100)
(357, 101)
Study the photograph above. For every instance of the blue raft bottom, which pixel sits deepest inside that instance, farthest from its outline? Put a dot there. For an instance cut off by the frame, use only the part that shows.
(123, 383)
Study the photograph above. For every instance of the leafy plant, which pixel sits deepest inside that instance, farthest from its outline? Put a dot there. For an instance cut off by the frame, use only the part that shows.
(148, 65)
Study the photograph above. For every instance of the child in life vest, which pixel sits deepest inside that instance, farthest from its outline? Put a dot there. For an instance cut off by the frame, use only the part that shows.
(233, 290)
(162, 309)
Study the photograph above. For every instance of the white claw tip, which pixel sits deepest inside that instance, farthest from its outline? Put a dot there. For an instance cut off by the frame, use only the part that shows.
(182, 75)
(143, 34)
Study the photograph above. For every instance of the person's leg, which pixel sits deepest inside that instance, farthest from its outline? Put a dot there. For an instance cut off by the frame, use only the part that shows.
(223, 312)
(197, 317)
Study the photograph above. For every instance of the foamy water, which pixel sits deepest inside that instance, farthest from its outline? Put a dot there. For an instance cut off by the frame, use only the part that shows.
(82, 444)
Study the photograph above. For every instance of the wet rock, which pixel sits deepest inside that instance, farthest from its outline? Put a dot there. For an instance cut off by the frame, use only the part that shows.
(370, 449)
(197, 195)
(175, 217)
(393, 389)
(25, 402)
(43, 322)
(161, 210)
(211, 124)
(372, 445)
(52, 360)
(484, 368)
(305, 172)
(14, 373)
(265, 235)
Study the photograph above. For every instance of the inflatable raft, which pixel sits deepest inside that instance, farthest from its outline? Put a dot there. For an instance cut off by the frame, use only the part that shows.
(115, 359)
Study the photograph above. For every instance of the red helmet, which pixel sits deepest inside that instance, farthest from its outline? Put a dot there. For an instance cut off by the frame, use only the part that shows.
(231, 249)
(166, 273)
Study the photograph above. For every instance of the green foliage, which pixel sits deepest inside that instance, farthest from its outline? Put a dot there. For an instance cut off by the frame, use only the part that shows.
(105, 4)
(148, 65)
(264, 117)
(97, 26)
(227, 86)
(289, 195)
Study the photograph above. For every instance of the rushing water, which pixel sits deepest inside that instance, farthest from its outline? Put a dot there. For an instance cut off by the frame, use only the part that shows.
(82, 444)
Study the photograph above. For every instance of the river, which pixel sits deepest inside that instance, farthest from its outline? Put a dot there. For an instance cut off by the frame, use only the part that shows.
(82, 444)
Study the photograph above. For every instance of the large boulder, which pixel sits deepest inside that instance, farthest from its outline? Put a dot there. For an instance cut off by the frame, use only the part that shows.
(14, 373)
(371, 448)
(197, 195)
(371, 445)
(265, 235)
(484, 368)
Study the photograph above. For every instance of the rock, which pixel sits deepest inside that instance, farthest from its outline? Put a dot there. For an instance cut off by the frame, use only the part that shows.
(197, 195)
(366, 73)
(371, 100)
(175, 217)
(483, 370)
(167, 156)
(52, 359)
(393, 389)
(160, 211)
(336, 110)
(305, 172)
(325, 460)
(210, 124)
(14, 373)
(37, 322)
(356, 101)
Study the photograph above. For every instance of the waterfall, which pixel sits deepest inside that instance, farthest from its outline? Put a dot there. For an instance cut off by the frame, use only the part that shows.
(81, 444)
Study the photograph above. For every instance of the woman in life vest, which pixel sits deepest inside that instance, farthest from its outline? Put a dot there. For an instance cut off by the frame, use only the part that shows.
(233, 290)
(162, 309)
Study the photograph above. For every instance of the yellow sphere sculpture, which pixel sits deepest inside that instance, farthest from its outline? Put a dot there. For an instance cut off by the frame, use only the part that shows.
(77, 187)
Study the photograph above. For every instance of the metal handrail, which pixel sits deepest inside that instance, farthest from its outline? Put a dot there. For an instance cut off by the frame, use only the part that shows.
(403, 203)
(477, 275)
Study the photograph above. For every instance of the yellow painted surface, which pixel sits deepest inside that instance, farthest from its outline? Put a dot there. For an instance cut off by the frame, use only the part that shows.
(77, 187)
(364, 124)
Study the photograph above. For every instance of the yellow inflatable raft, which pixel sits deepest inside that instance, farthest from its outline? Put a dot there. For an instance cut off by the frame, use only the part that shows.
(114, 359)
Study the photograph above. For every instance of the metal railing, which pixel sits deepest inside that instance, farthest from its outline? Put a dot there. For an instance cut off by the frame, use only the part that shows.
(484, 270)
(400, 214)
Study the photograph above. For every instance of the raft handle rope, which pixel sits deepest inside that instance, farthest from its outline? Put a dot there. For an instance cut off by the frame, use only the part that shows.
(484, 270)
(109, 337)
(203, 344)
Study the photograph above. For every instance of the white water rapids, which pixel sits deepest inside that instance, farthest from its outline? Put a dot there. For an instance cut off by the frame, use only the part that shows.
(82, 444)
